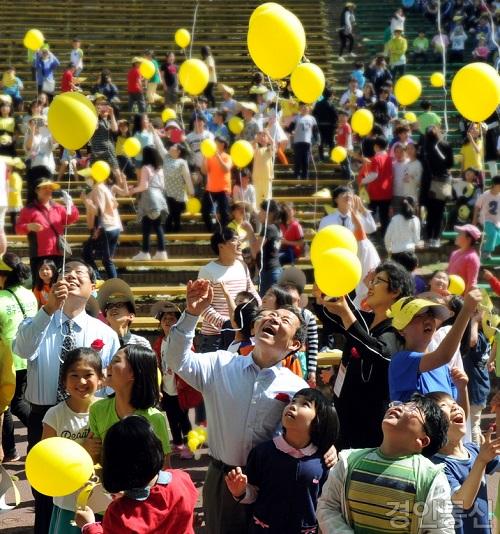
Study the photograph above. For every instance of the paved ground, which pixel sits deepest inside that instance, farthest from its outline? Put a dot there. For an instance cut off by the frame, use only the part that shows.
(20, 520)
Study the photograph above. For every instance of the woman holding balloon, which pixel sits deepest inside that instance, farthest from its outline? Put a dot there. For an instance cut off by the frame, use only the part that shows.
(361, 391)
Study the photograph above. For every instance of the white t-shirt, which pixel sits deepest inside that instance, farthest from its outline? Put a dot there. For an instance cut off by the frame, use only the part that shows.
(398, 173)
(369, 224)
(168, 385)
(412, 179)
(458, 41)
(402, 234)
(489, 208)
(71, 425)
(76, 58)
(212, 75)
(438, 336)
(194, 140)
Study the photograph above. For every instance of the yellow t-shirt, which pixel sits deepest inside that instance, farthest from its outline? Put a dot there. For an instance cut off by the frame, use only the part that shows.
(120, 140)
(470, 157)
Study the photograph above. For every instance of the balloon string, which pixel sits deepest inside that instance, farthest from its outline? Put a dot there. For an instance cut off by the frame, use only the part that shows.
(493, 30)
(443, 56)
(195, 15)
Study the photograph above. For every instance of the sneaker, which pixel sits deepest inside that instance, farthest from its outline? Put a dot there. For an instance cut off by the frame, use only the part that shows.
(161, 255)
(352, 54)
(186, 454)
(142, 256)
(435, 243)
(12, 458)
(341, 59)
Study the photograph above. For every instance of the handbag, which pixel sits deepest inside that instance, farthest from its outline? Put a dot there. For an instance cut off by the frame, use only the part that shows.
(62, 243)
(49, 86)
(440, 189)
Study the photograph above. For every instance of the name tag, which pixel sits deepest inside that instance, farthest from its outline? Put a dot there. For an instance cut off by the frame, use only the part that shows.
(339, 381)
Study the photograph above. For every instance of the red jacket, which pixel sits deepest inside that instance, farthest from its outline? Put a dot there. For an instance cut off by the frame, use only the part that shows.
(44, 243)
(168, 510)
(381, 187)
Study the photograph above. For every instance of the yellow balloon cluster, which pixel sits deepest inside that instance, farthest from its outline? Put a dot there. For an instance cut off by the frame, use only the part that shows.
(193, 206)
(182, 38)
(276, 40)
(410, 117)
(132, 147)
(332, 236)
(168, 114)
(236, 125)
(196, 438)
(437, 79)
(241, 153)
(208, 148)
(308, 82)
(362, 121)
(475, 91)
(408, 89)
(58, 466)
(456, 285)
(33, 39)
(72, 120)
(337, 272)
(193, 76)
(100, 171)
(338, 154)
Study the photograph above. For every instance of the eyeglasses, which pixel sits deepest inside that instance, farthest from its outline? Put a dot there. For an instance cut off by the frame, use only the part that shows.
(79, 273)
(413, 409)
(115, 306)
(377, 280)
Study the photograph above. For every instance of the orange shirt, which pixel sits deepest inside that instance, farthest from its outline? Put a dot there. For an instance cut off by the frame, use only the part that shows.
(218, 179)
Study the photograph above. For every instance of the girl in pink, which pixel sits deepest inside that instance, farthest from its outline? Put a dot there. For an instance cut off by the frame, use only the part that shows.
(465, 261)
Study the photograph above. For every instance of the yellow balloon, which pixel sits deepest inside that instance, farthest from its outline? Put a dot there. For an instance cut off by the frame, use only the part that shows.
(337, 272)
(193, 443)
(308, 82)
(193, 206)
(58, 466)
(193, 76)
(338, 154)
(410, 116)
(276, 41)
(236, 125)
(182, 38)
(147, 69)
(475, 91)
(332, 236)
(241, 153)
(456, 285)
(362, 121)
(82, 99)
(71, 121)
(208, 148)
(437, 79)
(408, 89)
(33, 39)
(132, 147)
(168, 114)
(267, 6)
(100, 171)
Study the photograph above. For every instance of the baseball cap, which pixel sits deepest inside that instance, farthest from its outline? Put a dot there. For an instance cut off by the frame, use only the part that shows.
(404, 310)
(470, 229)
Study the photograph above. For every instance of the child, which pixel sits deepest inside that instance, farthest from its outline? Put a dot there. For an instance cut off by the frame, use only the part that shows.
(168, 314)
(420, 47)
(465, 465)
(472, 150)
(465, 260)
(403, 232)
(413, 175)
(133, 375)
(239, 214)
(12, 86)
(117, 304)
(244, 191)
(76, 56)
(81, 374)
(440, 43)
(359, 74)
(487, 212)
(458, 38)
(343, 137)
(360, 487)
(47, 276)
(263, 165)
(466, 191)
(399, 163)
(305, 135)
(284, 477)
(153, 500)
(481, 52)
(414, 369)
(125, 163)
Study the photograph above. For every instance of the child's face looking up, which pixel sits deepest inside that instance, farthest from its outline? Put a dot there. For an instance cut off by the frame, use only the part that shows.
(299, 414)
(421, 327)
(455, 415)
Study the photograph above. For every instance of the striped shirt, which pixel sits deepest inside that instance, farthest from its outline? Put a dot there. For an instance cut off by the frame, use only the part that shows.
(312, 339)
(236, 278)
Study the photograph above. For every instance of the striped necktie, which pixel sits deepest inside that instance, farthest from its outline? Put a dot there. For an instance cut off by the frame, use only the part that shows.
(68, 344)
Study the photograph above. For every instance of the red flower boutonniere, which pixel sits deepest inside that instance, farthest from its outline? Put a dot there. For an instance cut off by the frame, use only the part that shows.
(283, 397)
(354, 353)
(97, 345)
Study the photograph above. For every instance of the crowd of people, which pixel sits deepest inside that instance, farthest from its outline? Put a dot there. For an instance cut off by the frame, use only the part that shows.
(415, 358)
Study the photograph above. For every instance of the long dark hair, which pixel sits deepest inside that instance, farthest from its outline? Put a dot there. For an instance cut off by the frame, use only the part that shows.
(137, 124)
(145, 390)
(19, 273)
(407, 209)
(132, 455)
(205, 52)
(39, 282)
(151, 156)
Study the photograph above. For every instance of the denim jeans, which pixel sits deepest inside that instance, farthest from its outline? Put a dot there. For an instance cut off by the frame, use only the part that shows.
(268, 279)
(105, 247)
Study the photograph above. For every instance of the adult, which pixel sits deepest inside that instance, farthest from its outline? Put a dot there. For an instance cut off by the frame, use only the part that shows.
(45, 65)
(347, 21)
(39, 144)
(59, 326)
(107, 88)
(196, 137)
(361, 391)
(464, 261)
(378, 73)
(44, 222)
(170, 81)
(102, 144)
(208, 58)
(428, 117)
(16, 303)
(326, 116)
(227, 269)
(135, 87)
(437, 160)
(263, 165)
(152, 84)
(292, 244)
(396, 50)
(244, 397)
(218, 186)
(178, 181)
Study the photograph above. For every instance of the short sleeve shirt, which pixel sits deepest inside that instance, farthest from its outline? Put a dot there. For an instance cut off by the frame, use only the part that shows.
(405, 377)
(218, 179)
(489, 208)
(272, 243)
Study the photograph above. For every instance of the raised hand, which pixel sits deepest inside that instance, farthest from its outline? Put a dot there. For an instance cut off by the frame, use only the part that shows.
(490, 448)
(58, 294)
(472, 299)
(199, 296)
(236, 482)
